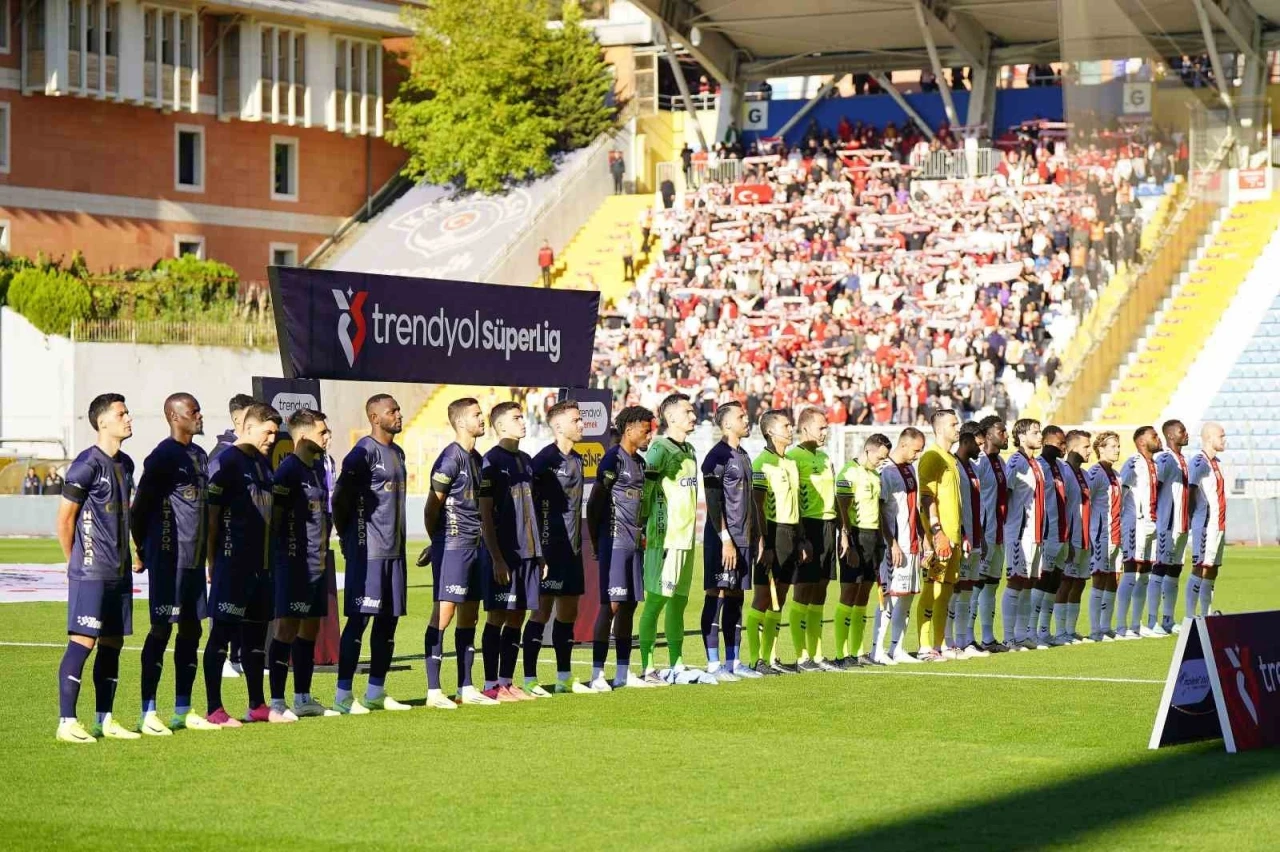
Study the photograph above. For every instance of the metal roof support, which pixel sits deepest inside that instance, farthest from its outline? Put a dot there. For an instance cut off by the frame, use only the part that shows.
(713, 50)
(683, 84)
(1239, 22)
(728, 110)
(982, 97)
(1223, 84)
(892, 90)
(943, 88)
(804, 110)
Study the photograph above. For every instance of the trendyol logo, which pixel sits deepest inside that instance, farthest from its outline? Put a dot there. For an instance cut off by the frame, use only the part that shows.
(352, 303)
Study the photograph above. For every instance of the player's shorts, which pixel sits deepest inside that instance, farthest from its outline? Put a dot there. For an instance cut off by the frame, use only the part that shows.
(970, 567)
(300, 593)
(824, 542)
(521, 591)
(714, 575)
(862, 562)
(992, 565)
(904, 580)
(1171, 548)
(940, 570)
(668, 572)
(565, 577)
(1139, 541)
(456, 575)
(1022, 554)
(621, 573)
(785, 541)
(176, 594)
(100, 607)
(1207, 547)
(1053, 555)
(1078, 568)
(241, 595)
(1108, 559)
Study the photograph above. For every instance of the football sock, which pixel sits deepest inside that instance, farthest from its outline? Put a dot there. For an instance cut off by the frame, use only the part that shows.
(731, 629)
(971, 617)
(1154, 588)
(711, 607)
(509, 652)
(532, 641)
(304, 665)
(70, 671)
(653, 606)
(1071, 615)
(949, 635)
(1009, 616)
(1168, 598)
(674, 628)
(752, 621)
(772, 626)
(215, 655)
(106, 674)
(1192, 595)
(797, 615)
(464, 645)
(1046, 614)
(844, 624)
(1024, 613)
(153, 663)
(186, 662)
(813, 632)
(1059, 617)
(899, 609)
(881, 619)
(490, 640)
(599, 656)
(1108, 609)
(434, 642)
(925, 603)
(1206, 595)
(1139, 600)
(349, 650)
(1124, 595)
(987, 612)
(1037, 603)
(253, 657)
(382, 645)
(942, 593)
(562, 643)
(858, 630)
(278, 668)
(1095, 610)
(964, 620)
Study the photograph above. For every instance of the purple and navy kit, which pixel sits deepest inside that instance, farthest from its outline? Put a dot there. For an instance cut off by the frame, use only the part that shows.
(455, 541)
(506, 479)
(621, 560)
(557, 494)
(241, 491)
(726, 474)
(100, 593)
(373, 540)
(170, 504)
(300, 539)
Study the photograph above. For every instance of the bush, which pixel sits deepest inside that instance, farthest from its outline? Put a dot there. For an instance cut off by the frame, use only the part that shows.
(9, 267)
(51, 299)
(175, 289)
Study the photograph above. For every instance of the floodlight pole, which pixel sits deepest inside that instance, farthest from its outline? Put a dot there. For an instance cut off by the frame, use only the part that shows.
(885, 83)
(682, 83)
(943, 87)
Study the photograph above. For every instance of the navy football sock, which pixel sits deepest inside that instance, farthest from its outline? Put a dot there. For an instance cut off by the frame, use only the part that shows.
(153, 663)
(186, 662)
(215, 654)
(304, 663)
(510, 653)
(711, 630)
(434, 642)
(562, 641)
(278, 661)
(599, 653)
(382, 646)
(464, 644)
(253, 636)
(490, 651)
(106, 674)
(349, 650)
(532, 645)
(70, 671)
(731, 628)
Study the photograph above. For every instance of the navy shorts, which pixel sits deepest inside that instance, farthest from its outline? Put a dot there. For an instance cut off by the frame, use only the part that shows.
(520, 594)
(456, 575)
(621, 573)
(100, 607)
(375, 587)
(564, 575)
(177, 594)
(238, 595)
(713, 574)
(300, 593)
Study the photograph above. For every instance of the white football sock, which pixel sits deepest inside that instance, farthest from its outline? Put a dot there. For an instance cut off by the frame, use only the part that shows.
(1046, 615)
(900, 609)
(1206, 595)
(1009, 615)
(1108, 609)
(1124, 594)
(1059, 615)
(597, 671)
(964, 624)
(1168, 600)
(1095, 610)
(490, 684)
(1037, 603)
(882, 625)
(1139, 601)
(1192, 595)
(1153, 600)
(971, 617)
(987, 611)
(1073, 618)
(341, 695)
(1024, 625)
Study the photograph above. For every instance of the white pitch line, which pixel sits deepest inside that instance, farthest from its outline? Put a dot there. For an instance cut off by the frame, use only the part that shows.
(993, 676)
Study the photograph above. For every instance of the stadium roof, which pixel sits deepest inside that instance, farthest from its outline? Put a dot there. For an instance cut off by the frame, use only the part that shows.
(368, 15)
(753, 39)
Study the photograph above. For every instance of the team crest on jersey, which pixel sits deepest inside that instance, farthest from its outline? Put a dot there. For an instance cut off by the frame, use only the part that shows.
(188, 492)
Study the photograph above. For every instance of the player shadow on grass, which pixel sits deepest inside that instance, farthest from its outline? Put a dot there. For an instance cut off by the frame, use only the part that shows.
(1066, 811)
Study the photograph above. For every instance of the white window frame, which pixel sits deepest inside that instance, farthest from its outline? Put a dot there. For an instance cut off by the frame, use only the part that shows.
(174, 98)
(6, 236)
(6, 150)
(358, 112)
(275, 247)
(6, 45)
(283, 107)
(179, 239)
(292, 142)
(178, 130)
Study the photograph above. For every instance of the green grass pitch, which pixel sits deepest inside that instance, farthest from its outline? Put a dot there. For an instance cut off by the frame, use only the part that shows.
(958, 756)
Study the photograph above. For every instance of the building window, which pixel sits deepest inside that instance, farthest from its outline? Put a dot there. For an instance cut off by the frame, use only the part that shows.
(284, 169)
(283, 74)
(4, 139)
(188, 158)
(4, 26)
(284, 254)
(4, 236)
(229, 68)
(171, 58)
(357, 82)
(184, 245)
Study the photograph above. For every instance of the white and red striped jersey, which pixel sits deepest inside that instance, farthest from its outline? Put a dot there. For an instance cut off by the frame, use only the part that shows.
(971, 504)
(1210, 489)
(1173, 502)
(900, 503)
(1026, 497)
(1138, 474)
(995, 497)
(1106, 498)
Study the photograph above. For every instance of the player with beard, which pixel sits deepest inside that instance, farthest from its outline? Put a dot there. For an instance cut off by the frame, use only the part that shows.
(1173, 523)
(1023, 535)
(995, 509)
(1057, 548)
(959, 621)
(1141, 480)
(1075, 570)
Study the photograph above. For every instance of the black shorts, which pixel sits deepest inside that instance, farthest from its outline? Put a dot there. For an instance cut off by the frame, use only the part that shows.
(862, 562)
(784, 541)
(824, 545)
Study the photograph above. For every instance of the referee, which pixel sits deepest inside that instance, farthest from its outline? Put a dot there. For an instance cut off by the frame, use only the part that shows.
(940, 511)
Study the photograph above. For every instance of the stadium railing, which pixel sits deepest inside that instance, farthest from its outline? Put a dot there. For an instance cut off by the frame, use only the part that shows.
(246, 335)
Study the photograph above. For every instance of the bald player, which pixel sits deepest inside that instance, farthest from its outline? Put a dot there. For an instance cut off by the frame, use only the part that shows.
(941, 514)
(1209, 521)
(1173, 523)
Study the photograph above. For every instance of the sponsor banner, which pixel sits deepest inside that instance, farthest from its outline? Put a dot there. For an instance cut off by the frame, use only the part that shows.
(1223, 683)
(286, 396)
(1252, 178)
(364, 327)
(753, 193)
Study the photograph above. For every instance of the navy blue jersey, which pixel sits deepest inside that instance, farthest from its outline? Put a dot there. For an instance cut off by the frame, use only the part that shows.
(225, 441)
(456, 476)
(300, 536)
(102, 486)
(557, 493)
(375, 474)
(506, 478)
(241, 489)
(170, 506)
(623, 474)
(726, 473)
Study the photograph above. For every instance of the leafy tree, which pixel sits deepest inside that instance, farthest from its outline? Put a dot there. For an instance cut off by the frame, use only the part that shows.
(492, 92)
(50, 298)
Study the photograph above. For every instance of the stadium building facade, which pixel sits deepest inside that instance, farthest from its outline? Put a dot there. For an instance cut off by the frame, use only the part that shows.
(241, 130)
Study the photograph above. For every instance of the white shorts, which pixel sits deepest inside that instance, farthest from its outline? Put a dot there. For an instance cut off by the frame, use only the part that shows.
(898, 582)
(1171, 548)
(1078, 568)
(1023, 557)
(1106, 560)
(1207, 548)
(1053, 555)
(970, 566)
(1140, 541)
(992, 564)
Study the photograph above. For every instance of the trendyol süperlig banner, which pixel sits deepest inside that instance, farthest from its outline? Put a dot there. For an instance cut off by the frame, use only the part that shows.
(360, 326)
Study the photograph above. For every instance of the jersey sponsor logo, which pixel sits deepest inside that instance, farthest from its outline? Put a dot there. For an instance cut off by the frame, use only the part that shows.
(503, 597)
(618, 591)
(300, 607)
(688, 482)
(553, 585)
(351, 303)
(455, 589)
(371, 603)
(167, 609)
(231, 609)
(726, 577)
(89, 621)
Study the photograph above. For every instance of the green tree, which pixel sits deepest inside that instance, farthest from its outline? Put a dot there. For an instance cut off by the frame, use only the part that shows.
(50, 298)
(488, 97)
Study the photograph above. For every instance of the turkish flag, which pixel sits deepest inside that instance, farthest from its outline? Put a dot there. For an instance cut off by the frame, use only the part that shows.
(752, 193)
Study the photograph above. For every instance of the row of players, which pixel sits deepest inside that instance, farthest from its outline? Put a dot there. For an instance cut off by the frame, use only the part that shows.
(506, 529)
